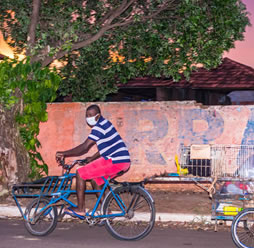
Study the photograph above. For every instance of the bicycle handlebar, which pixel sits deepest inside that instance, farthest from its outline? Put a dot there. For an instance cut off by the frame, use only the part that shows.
(68, 167)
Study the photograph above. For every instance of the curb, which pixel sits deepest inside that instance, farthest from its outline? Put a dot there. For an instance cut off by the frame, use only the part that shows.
(178, 217)
(9, 211)
(12, 211)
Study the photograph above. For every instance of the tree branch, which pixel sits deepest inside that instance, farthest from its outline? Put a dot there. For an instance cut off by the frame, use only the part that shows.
(118, 11)
(145, 18)
(76, 46)
(107, 26)
(32, 27)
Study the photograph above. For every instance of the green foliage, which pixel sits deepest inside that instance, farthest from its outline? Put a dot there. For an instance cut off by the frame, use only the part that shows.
(195, 32)
(30, 87)
(204, 28)
(199, 32)
(86, 76)
(184, 34)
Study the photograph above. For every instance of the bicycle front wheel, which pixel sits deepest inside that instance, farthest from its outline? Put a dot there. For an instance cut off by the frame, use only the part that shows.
(40, 219)
(242, 229)
(139, 209)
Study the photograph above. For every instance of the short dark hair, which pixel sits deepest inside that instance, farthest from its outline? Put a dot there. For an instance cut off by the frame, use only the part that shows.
(94, 107)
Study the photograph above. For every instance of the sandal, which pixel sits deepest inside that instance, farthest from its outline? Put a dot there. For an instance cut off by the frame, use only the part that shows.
(72, 213)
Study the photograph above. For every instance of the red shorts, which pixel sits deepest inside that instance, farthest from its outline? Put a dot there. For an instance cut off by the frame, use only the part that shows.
(101, 168)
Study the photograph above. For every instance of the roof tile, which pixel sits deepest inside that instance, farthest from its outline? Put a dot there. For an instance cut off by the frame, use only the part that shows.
(229, 75)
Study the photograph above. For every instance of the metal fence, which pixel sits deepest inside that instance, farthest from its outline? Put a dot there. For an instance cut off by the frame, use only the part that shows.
(222, 161)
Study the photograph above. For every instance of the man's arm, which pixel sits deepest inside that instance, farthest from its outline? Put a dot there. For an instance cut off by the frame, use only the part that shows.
(92, 158)
(76, 151)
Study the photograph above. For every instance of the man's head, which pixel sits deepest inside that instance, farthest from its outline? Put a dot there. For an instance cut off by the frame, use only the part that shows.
(93, 114)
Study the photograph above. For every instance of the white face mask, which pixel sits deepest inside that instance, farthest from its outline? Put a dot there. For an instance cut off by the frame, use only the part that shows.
(91, 120)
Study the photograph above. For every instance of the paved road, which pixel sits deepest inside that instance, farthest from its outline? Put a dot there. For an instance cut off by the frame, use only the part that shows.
(75, 235)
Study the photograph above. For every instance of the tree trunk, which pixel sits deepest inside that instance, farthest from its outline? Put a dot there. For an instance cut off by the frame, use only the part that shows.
(14, 159)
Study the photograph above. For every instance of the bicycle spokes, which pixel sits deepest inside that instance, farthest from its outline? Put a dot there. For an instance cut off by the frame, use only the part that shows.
(139, 216)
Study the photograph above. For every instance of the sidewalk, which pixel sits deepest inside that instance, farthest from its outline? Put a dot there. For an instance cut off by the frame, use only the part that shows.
(12, 211)
(170, 207)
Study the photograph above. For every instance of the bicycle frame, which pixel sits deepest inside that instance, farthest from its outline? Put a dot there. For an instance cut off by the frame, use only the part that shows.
(58, 188)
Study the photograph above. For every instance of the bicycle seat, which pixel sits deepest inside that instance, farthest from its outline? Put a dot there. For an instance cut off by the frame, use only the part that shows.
(120, 173)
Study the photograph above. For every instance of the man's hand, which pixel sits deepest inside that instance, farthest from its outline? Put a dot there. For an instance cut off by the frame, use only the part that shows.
(59, 156)
(87, 160)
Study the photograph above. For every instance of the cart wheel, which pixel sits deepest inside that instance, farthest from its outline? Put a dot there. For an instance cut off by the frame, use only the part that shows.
(40, 220)
(242, 229)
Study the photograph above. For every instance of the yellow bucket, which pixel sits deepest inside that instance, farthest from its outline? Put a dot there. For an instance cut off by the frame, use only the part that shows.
(231, 210)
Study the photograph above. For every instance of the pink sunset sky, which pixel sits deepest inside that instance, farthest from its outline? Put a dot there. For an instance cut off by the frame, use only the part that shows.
(244, 50)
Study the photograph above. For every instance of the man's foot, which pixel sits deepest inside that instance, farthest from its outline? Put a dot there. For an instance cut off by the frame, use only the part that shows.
(75, 212)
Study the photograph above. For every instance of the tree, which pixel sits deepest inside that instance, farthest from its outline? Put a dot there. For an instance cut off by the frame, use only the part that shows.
(24, 90)
(198, 33)
(149, 37)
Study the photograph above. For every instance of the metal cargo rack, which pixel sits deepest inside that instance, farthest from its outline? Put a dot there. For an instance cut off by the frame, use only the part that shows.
(45, 187)
(219, 161)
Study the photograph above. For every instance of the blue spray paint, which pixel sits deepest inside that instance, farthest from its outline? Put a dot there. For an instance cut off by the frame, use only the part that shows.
(135, 137)
(248, 136)
(246, 164)
(186, 133)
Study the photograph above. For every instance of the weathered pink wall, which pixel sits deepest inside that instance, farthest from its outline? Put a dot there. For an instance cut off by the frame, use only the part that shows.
(153, 131)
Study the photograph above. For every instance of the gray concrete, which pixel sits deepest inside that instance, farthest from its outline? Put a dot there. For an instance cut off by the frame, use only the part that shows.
(75, 235)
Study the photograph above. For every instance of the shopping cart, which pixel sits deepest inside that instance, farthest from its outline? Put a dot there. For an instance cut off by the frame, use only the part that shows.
(230, 170)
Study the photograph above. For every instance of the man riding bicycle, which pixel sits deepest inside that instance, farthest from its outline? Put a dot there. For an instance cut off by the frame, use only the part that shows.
(111, 158)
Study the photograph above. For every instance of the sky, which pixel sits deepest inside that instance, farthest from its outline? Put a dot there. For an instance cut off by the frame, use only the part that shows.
(244, 50)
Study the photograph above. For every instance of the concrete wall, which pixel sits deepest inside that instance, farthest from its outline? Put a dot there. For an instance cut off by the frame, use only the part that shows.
(153, 131)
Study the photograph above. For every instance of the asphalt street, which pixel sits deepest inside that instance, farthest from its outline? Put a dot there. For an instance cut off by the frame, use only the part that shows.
(76, 235)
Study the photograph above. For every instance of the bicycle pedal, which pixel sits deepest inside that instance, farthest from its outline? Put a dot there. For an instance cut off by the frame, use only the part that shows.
(102, 222)
(91, 223)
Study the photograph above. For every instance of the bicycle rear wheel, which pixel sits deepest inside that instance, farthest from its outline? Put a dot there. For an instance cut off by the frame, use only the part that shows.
(40, 223)
(242, 229)
(140, 213)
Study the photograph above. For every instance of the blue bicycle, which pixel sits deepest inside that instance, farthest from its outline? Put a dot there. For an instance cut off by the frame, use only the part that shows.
(127, 210)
